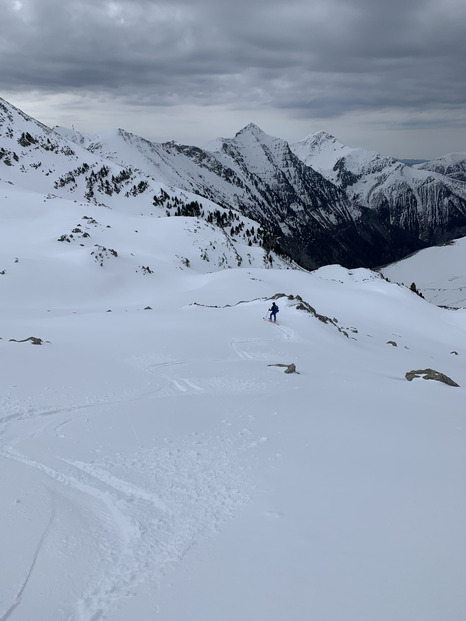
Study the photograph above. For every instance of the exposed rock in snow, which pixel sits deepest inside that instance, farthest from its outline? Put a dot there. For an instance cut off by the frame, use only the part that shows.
(430, 374)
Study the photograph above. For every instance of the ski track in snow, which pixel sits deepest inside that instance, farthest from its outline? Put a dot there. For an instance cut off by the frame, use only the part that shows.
(189, 487)
(22, 413)
(237, 347)
(141, 531)
(287, 332)
(252, 349)
(4, 616)
(184, 384)
(191, 383)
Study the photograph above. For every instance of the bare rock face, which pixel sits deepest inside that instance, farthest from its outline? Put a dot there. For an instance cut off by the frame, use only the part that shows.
(432, 375)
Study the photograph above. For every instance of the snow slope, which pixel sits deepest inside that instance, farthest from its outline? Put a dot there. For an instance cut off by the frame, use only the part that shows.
(156, 464)
(438, 273)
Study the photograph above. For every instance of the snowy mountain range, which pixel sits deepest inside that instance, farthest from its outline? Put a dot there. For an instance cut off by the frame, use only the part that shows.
(167, 453)
(453, 165)
(254, 174)
(47, 168)
(317, 201)
(429, 207)
(344, 205)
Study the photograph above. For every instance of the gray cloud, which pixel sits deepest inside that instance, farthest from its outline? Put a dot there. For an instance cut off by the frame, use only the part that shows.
(314, 59)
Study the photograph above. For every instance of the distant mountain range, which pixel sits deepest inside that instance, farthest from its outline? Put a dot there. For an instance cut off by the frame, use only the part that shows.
(453, 165)
(316, 200)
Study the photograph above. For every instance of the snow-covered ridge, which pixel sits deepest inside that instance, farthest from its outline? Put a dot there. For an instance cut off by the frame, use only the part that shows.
(320, 150)
(428, 205)
(317, 200)
(323, 151)
(65, 164)
(308, 188)
(251, 173)
(452, 165)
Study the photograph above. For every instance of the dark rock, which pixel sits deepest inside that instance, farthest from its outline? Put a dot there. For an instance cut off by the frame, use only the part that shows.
(33, 339)
(432, 375)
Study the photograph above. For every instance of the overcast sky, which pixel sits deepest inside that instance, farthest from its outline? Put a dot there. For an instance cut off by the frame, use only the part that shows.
(387, 75)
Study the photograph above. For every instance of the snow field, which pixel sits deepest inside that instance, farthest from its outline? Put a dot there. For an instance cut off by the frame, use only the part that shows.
(170, 473)
(437, 273)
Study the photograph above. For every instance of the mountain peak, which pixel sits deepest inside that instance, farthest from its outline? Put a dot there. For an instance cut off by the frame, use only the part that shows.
(320, 139)
(252, 129)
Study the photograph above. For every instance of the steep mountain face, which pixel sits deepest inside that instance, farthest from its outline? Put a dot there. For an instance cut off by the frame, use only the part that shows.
(428, 207)
(452, 165)
(309, 216)
(68, 168)
(318, 222)
(37, 158)
(318, 200)
(253, 173)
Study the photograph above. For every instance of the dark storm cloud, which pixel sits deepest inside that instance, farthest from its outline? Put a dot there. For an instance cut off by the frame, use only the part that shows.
(319, 58)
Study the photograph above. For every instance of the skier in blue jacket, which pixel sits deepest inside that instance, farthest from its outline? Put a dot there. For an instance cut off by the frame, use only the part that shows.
(273, 312)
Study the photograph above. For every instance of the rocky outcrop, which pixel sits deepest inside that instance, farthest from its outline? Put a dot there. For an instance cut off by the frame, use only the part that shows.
(430, 374)
(35, 340)
(289, 368)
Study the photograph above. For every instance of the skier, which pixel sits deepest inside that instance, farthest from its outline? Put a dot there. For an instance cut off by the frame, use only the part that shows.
(273, 310)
